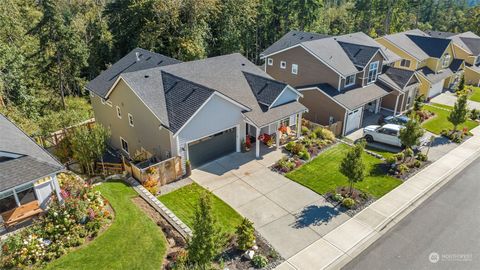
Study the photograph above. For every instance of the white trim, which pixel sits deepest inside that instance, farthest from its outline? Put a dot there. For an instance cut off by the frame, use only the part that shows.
(121, 145)
(296, 69)
(9, 154)
(113, 86)
(323, 92)
(283, 64)
(130, 120)
(102, 100)
(203, 105)
(376, 73)
(284, 89)
(270, 61)
(108, 103)
(354, 79)
(119, 112)
(404, 59)
(282, 50)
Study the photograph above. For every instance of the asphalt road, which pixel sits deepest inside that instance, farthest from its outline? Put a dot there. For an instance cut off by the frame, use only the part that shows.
(442, 233)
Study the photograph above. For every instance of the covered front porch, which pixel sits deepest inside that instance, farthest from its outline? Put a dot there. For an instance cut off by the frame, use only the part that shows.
(21, 203)
(273, 134)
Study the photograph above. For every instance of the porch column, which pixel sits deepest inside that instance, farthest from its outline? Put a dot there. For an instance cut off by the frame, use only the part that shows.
(257, 142)
(396, 105)
(277, 137)
(56, 186)
(299, 125)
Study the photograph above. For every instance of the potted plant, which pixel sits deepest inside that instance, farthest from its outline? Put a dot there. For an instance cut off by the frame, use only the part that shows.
(188, 168)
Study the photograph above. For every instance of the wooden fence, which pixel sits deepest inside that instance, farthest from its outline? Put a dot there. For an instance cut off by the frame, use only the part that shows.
(53, 139)
(336, 127)
(165, 171)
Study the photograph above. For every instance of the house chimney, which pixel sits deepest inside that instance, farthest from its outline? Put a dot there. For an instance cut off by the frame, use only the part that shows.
(137, 54)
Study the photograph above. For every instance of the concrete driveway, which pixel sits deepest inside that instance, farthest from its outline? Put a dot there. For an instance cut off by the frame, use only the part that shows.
(288, 215)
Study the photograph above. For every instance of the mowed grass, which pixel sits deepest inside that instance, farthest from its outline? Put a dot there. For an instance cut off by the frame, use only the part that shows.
(133, 241)
(440, 122)
(184, 201)
(384, 153)
(475, 95)
(323, 175)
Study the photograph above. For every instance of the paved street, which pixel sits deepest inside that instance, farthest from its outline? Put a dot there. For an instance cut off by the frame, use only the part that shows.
(446, 224)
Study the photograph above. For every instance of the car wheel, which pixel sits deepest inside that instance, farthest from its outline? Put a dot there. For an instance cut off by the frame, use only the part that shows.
(369, 138)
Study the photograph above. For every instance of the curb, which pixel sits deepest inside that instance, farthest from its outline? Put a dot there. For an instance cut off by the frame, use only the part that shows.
(385, 226)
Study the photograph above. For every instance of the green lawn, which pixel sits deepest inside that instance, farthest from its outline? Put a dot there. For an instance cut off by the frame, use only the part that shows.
(386, 154)
(322, 174)
(439, 122)
(183, 202)
(475, 96)
(133, 241)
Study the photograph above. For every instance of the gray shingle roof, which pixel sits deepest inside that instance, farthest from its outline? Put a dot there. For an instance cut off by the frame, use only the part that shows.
(473, 44)
(400, 77)
(129, 63)
(169, 93)
(433, 47)
(434, 77)
(183, 99)
(456, 64)
(34, 162)
(439, 34)
(406, 44)
(265, 90)
(360, 55)
(353, 98)
(290, 39)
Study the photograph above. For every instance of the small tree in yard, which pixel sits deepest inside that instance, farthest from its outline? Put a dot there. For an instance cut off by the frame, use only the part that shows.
(245, 235)
(88, 145)
(461, 84)
(411, 134)
(206, 241)
(352, 165)
(459, 113)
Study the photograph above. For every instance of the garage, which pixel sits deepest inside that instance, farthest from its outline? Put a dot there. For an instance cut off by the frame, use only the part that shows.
(436, 89)
(212, 147)
(353, 120)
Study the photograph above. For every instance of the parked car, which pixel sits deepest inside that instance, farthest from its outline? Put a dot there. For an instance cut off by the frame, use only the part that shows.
(387, 134)
(397, 120)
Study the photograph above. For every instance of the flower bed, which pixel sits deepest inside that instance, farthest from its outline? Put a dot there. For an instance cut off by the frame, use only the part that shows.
(350, 203)
(79, 219)
(406, 163)
(309, 146)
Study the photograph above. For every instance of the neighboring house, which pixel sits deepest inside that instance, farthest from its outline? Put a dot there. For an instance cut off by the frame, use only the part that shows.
(27, 175)
(432, 58)
(466, 47)
(340, 77)
(199, 110)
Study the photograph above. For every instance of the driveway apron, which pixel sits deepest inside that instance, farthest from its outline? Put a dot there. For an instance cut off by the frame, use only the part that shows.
(289, 216)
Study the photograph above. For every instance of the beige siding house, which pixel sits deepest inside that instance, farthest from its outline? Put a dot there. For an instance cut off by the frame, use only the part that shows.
(198, 110)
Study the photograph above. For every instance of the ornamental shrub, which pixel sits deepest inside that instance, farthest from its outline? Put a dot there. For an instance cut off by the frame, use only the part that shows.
(402, 168)
(348, 202)
(298, 148)
(324, 134)
(259, 261)
(337, 197)
(289, 146)
(304, 155)
(245, 235)
(422, 157)
(305, 130)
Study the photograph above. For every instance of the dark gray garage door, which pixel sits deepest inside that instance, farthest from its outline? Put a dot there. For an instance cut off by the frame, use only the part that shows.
(212, 147)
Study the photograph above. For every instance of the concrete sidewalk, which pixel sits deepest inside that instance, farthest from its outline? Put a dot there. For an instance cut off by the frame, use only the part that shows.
(348, 240)
(449, 99)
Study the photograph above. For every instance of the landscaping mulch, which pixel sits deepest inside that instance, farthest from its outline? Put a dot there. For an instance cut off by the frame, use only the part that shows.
(361, 202)
(412, 171)
(176, 243)
(234, 259)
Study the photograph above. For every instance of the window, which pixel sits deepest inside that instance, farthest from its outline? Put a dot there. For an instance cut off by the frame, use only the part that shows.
(119, 113)
(294, 69)
(283, 64)
(109, 103)
(446, 60)
(7, 202)
(405, 63)
(270, 61)
(130, 119)
(124, 145)
(350, 80)
(372, 72)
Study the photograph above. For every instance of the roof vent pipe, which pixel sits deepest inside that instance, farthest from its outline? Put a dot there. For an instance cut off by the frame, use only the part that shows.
(137, 54)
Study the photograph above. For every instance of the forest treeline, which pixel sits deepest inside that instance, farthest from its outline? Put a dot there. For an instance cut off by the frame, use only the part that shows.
(49, 49)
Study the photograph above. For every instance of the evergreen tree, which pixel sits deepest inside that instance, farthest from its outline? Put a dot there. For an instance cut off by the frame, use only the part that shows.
(459, 113)
(245, 235)
(352, 165)
(62, 53)
(411, 134)
(205, 242)
(461, 84)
